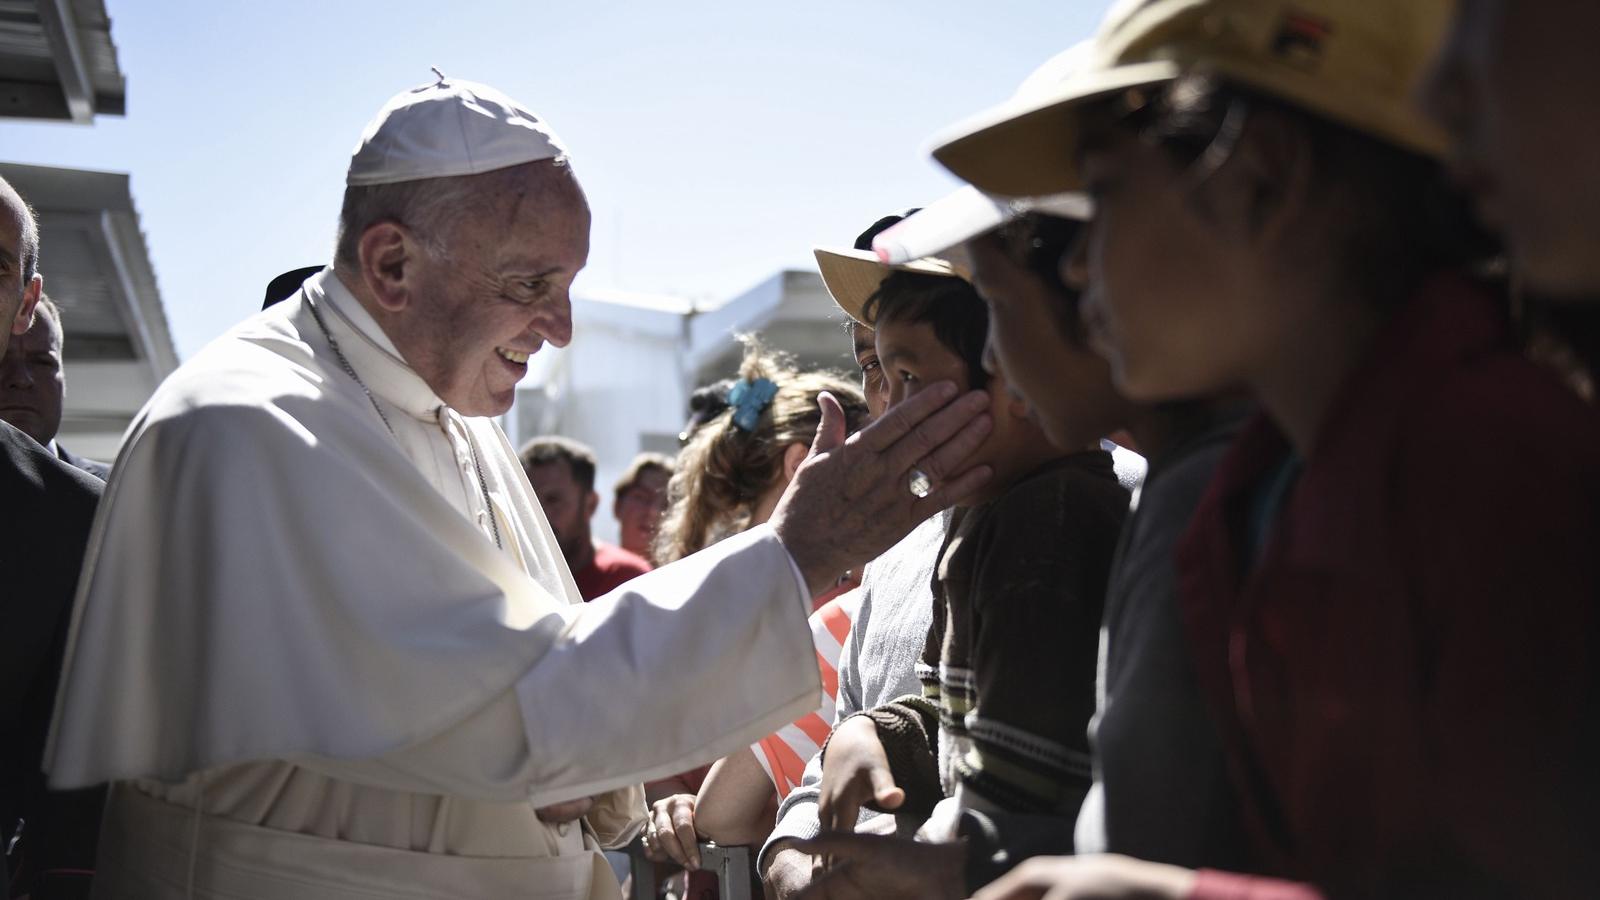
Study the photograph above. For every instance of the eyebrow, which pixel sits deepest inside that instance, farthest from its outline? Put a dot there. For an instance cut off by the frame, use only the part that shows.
(897, 354)
(540, 269)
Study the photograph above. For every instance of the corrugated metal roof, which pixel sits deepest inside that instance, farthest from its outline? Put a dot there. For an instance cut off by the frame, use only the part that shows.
(57, 61)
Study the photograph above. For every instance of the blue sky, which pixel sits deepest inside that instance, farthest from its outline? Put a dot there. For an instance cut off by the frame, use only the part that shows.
(717, 141)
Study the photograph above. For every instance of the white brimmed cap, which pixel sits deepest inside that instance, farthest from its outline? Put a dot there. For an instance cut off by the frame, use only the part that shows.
(448, 128)
(964, 215)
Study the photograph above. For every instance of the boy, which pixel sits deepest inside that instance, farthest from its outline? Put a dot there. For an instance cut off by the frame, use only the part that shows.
(1008, 669)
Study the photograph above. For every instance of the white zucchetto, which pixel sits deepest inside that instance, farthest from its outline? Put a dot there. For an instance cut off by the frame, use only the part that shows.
(447, 128)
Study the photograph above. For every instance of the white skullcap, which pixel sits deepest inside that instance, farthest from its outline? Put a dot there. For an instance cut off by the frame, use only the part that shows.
(449, 128)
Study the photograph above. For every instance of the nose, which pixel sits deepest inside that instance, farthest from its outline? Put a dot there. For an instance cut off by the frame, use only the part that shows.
(555, 321)
(898, 392)
(14, 374)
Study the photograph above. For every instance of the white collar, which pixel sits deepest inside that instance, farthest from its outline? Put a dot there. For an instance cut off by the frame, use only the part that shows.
(370, 351)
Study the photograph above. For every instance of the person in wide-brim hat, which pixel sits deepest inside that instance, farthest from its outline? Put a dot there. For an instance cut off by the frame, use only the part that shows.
(1271, 216)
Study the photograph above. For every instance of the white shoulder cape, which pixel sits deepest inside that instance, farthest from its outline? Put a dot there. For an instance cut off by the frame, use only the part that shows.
(270, 577)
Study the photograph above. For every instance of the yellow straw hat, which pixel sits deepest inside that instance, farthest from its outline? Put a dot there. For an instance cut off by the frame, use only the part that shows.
(1355, 62)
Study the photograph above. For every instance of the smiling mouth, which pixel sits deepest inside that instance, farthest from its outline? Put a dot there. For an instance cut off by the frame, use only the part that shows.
(513, 356)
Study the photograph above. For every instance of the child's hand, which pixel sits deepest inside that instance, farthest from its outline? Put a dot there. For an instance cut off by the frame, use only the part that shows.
(855, 773)
(669, 834)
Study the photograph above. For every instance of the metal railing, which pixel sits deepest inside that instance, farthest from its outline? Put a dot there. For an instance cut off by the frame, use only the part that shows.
(733, 867)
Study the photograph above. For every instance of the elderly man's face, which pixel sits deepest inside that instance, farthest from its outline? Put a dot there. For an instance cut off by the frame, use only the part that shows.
(1514, 85)
(499, 292)
(17, 295)
(31, 381)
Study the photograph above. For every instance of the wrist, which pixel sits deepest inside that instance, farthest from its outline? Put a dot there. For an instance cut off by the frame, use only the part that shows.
(819, 572)
(785, 869)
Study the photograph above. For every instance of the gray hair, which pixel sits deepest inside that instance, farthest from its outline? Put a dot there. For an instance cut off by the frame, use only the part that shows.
(30, 244)
(429, 207)
(29, 251)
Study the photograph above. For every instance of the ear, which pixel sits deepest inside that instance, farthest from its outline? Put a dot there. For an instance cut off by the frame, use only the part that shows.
(1270, 176)
(793, 456)
(30, 301)
(591, 502)
(388, 254)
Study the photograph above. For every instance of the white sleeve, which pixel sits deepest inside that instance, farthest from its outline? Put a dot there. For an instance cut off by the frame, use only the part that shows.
(672, 670)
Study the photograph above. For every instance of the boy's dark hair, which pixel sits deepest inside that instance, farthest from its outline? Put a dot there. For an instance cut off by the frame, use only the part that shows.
(950, 305)
(580, 460)
(1037, 242)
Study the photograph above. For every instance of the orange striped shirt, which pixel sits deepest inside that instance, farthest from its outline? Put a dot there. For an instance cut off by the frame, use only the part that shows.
(784, 753)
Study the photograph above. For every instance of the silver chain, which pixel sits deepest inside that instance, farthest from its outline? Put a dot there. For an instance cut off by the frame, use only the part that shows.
(344, 363)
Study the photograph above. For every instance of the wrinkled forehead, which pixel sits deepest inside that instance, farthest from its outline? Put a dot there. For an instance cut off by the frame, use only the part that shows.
(538, 211)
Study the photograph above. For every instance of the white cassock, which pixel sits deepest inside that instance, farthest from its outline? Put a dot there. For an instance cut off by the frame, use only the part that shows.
(311, 673)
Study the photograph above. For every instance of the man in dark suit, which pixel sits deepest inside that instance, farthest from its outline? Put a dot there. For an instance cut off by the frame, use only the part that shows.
(33, 385)
(49, 507)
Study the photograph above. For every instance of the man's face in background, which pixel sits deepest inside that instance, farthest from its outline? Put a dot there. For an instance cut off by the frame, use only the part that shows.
(566, 504)
(32, 384)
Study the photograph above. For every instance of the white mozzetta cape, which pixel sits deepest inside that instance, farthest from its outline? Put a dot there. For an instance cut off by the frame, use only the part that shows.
(271, 578)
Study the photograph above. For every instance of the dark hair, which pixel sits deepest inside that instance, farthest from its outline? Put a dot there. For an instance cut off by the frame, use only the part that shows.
(951, 305)
(1406, 220)
(543, 451)
(705, 403)
(1037, 242)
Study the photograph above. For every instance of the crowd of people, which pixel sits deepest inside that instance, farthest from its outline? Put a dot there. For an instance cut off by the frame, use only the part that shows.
(1323, 264)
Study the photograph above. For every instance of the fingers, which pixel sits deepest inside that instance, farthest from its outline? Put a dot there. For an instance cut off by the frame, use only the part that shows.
(950, 493)
(900, 419)
(884, 791)
(949, 458)
(683, 828)
(831, 431)
(671, 831)
(846, 814)
(924, 446)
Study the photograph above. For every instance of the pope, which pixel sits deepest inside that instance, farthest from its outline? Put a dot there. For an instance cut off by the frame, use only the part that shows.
(325, 645)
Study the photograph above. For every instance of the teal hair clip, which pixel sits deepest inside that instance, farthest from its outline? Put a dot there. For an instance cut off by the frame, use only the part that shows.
(748, 398)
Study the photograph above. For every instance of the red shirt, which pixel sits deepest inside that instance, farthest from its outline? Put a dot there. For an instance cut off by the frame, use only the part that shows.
(610, 569)
(1406, 677)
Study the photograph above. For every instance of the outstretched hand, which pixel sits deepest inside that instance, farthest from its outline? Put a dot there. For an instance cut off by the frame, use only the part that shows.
(872, 867)
(850, 501)
(855, 773)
